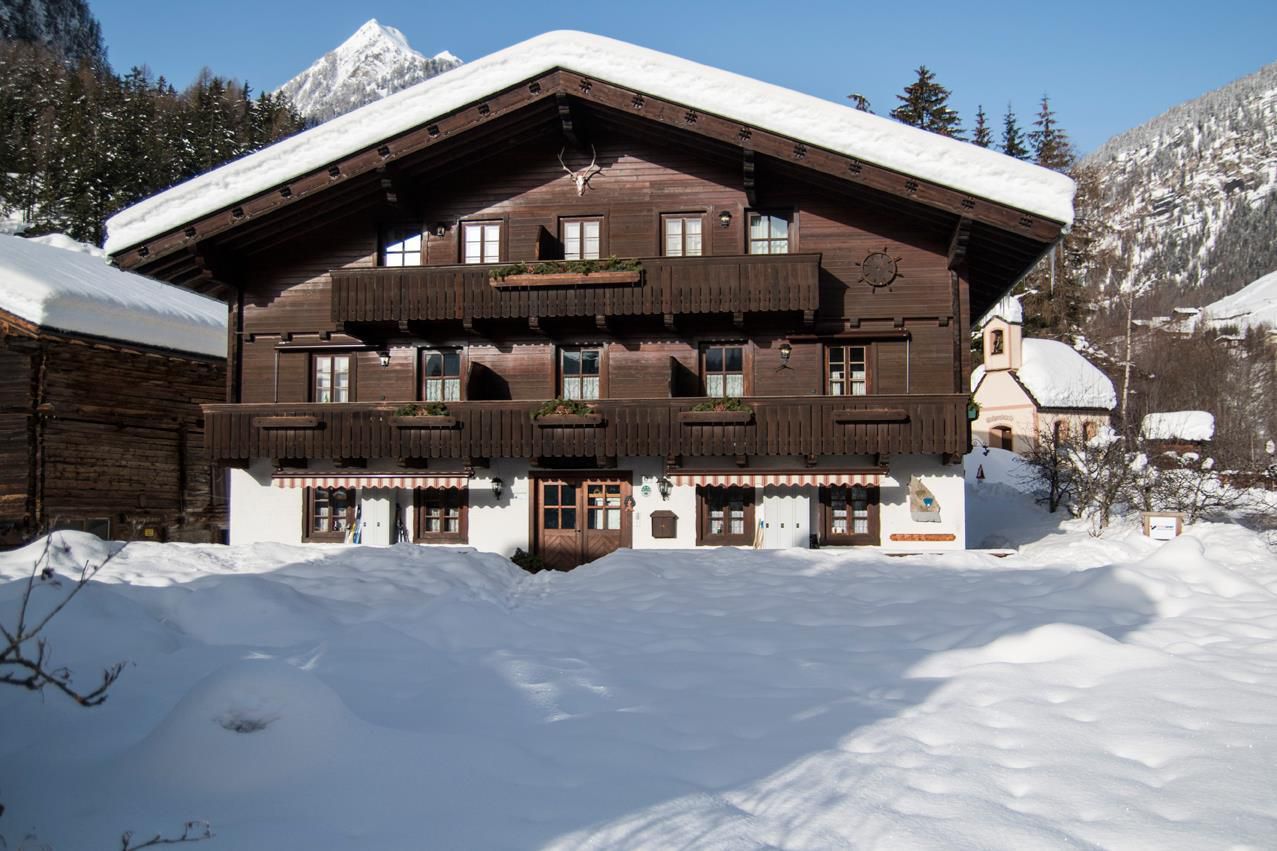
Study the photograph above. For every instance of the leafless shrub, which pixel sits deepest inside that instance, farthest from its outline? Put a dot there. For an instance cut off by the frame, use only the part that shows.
(192, 831)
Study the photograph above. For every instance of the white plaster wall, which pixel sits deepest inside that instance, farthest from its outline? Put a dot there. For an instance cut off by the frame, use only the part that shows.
(682, 501)
(1003, 402)
(261, 512)
(946, 481)
(500, 526)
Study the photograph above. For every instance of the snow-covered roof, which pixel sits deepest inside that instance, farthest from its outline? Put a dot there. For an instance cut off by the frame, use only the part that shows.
(884, 142)
(68, 286)
(1254, 304)
(1060, 377)
(1178, 425)
(1008, 308)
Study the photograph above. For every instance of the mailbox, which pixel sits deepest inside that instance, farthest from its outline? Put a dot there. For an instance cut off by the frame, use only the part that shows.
(664, 524)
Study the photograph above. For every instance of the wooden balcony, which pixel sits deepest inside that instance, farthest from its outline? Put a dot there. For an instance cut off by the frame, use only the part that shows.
(666, 286)
(806, 425)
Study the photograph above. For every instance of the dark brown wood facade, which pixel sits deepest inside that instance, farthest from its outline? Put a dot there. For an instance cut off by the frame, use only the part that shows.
(107, 438)
(304, 270)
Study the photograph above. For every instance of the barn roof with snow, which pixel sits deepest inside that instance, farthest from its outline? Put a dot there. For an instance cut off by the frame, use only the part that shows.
(1058, 376)
(1011, 210)
(1188, 426)
(61, 285)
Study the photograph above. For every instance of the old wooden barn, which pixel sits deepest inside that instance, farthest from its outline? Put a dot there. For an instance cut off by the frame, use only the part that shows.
(104, 373)
(579, 295)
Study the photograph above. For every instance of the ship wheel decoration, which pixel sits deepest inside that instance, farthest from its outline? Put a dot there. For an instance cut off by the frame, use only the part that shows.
(879, 269)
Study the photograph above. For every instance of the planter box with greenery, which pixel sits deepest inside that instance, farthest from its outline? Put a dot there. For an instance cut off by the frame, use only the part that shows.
(718, 412)
(429, 415)
(563, 273)
(566, 412)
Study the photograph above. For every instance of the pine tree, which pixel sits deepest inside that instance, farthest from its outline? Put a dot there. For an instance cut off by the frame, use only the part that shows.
(981, 136)
(1012, 138)
(860, 102)
(1051, 147)
(925, 104)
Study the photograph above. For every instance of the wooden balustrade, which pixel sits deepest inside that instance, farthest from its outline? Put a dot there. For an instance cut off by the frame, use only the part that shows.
(666, 286)
(807, 425)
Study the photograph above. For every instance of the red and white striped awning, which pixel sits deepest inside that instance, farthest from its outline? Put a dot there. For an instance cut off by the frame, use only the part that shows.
(778, 478)
(370, 480)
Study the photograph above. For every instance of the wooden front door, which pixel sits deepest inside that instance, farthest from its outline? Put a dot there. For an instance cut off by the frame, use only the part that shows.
(580, 518)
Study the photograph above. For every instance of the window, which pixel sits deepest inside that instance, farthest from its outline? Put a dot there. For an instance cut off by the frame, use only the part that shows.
(768, 234)
(558, 506)
(579, 370)
(850, 514)
(1060, 431)
(441, 376)
(602, 506)
(581, 238)
(683, 236)
(440, 515)
(996, 342)
(1089, 429)
(330, 513)
(402, 247)
(725, 516)
(724, 370)
(481, 242)
(332, 378)
(846, 368)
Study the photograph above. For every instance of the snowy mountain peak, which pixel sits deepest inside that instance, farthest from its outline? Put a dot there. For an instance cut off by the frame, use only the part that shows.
(375, 61)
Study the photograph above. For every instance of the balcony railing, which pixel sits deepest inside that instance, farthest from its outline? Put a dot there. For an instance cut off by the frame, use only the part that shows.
(807, 425)
(666, 286)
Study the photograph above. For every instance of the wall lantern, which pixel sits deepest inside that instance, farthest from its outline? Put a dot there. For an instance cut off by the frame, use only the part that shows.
(725, 219)
(665, 486)
(384, 357)
(785, 351)
(859, 497)
(441, 230)
(497, 487)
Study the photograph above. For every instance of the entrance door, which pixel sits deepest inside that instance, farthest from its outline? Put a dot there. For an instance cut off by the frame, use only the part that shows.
(786, 515)
(580, 518)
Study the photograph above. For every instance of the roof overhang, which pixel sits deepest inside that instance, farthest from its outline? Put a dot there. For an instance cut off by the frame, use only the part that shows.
(988, 188)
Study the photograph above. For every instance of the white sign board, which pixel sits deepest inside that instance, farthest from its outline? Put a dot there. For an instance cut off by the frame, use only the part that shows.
(1163, 528)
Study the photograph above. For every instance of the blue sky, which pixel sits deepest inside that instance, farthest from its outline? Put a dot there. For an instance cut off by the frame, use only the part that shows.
(1107, 66)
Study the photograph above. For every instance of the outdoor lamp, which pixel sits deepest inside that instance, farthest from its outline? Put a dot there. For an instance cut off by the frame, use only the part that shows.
(384, 356)
(665, 486)
(725, 218)
(859, 497)
(497, 487)
(785, 351)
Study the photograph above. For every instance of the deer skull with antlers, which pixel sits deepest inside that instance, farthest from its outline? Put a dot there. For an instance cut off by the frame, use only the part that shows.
(581, 177)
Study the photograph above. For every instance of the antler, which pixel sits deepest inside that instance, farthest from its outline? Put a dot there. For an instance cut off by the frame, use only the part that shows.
(581, 177)
(565, 167)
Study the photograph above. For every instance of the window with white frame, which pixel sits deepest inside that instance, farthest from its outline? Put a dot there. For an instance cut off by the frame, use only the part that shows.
(582, 238)
(683, 236)
(331, 378)
(768, 233)
(481, 242)
(847, 370)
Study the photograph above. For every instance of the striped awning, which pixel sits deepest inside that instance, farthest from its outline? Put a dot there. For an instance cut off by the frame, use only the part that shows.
(777, 478)
(370, 480)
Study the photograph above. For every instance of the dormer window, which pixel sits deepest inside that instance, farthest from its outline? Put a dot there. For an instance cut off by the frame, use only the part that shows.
(997, 342)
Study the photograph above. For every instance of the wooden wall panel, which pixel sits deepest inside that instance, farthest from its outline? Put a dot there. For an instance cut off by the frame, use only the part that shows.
(15, 456)
(515, 372)
(639, 374)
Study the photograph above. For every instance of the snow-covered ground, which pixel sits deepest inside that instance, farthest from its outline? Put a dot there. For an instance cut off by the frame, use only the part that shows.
(1087, 692)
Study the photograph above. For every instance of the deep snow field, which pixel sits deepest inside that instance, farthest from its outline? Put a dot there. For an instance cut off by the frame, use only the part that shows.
(1088, 692)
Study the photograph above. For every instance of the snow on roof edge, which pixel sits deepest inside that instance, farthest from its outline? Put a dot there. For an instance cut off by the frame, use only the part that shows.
(60, 288)
(884, 142)
(1178, 425)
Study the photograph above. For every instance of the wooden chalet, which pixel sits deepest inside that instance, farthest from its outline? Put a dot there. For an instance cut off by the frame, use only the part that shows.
(402, 309)
(101, 428)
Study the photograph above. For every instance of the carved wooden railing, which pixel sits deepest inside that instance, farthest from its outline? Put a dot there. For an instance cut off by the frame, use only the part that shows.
(807, 425)
(665, 286)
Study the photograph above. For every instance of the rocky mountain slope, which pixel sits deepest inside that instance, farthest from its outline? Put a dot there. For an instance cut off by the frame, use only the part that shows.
(374, 62)
(1192, 195)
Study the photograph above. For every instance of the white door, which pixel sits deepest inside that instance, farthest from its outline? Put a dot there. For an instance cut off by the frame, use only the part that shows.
(786, 515)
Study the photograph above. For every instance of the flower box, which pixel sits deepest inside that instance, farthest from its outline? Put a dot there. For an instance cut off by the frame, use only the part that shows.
(715, 417)
(287, 422)
(872, 415)
(568, 279)
(422, 421)
(568, 420)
